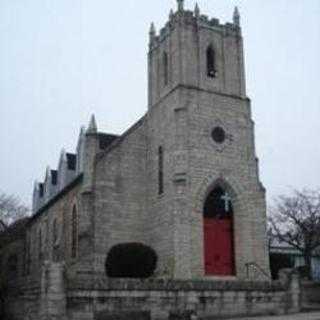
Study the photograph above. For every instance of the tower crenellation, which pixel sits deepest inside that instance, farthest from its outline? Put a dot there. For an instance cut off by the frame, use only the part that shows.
(194, 18)
(178, 54)
(180, 4)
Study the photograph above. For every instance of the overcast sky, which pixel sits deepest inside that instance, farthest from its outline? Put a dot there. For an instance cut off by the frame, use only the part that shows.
(62, 60)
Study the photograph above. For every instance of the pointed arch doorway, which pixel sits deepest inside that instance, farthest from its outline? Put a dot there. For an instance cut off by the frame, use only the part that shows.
(218, 233)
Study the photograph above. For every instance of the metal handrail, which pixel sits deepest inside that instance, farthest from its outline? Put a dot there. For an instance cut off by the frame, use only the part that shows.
(254, 264)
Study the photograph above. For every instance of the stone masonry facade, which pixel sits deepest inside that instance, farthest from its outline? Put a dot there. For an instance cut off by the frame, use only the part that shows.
(109, 191)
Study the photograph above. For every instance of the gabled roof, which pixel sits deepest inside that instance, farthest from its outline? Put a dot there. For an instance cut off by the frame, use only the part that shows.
(117, 142)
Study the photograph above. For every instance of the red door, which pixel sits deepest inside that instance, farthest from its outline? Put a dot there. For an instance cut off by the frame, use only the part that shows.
(218, 246)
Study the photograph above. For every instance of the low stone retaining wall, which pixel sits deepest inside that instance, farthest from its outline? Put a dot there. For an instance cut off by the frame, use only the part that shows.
(177, 299)
(59, 296)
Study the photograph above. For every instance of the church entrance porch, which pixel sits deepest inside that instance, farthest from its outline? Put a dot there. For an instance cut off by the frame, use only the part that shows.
(218, 234)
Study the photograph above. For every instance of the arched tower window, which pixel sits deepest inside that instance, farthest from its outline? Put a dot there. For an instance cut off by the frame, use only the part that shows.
(74, 240)
(211, 63)
(165, 65)
(160, 170)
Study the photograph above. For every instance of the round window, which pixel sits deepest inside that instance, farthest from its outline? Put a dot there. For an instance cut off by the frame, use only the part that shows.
(218, 135)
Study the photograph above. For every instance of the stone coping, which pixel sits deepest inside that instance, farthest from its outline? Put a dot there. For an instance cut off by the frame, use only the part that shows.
(80, 283)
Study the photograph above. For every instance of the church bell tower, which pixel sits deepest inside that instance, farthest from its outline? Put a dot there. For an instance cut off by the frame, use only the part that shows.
(193, 50)
(210, 211)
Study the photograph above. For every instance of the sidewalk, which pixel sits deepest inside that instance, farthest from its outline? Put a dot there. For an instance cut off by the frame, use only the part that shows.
(300, 316)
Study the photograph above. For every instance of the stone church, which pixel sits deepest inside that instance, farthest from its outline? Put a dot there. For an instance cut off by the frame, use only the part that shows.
(184, 179)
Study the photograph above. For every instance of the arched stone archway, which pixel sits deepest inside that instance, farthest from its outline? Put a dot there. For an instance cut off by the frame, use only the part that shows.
(209, 183)
(233, 187)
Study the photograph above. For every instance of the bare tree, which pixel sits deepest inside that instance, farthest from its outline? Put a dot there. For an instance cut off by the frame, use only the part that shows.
(295, 220)
(11, 208)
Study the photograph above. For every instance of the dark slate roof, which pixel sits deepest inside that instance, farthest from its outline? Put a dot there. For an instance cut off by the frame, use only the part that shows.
(72, 161)
(106, 139)
(54, 177)
(121, 138)
(58, 196)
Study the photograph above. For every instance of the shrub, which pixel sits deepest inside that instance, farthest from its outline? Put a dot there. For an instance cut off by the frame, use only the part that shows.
(131, 260)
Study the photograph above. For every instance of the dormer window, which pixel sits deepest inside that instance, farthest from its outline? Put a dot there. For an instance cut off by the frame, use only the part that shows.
(211, 63)
(41, 190)
(54, 177)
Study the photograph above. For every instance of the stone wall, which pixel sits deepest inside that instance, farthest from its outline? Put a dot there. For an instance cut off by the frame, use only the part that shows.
(209, 300)
(40, 297)
(120, 194)
(54, 245)
(23, 299)
(310, 295)
(61, 296)
(12, 260)
(233, 166)
(163, 209)
(53, 292)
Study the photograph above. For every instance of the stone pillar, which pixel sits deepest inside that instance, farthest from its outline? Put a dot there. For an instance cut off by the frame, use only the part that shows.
(291, 280)
(53, 295)
(295, 293)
